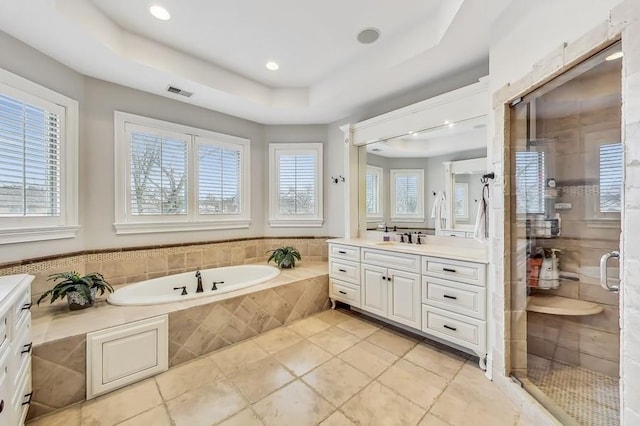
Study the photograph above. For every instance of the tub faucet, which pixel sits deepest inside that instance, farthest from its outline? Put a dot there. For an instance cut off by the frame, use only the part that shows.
(215, 285)
(199, 277)
(183, 288)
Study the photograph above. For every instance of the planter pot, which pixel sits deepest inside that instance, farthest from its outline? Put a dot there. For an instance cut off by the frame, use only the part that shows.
(79, 301)
(285, 265)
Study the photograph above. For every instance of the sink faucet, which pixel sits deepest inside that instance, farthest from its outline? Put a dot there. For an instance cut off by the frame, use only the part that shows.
(408, 234)
(199, 277)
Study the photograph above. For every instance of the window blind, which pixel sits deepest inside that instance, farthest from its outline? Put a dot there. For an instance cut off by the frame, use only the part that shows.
(406, 194)
(297, 184)
(373, 192)
(530, 182)
(610, 178)
(218, 180)
(30, 159)
(158, 174)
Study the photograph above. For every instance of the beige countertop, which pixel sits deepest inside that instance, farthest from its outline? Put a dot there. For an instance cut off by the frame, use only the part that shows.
(56, 322)
(435, 247)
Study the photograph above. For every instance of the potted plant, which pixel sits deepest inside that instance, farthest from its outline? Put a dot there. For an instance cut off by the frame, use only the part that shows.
(79, 291)
(284, 257)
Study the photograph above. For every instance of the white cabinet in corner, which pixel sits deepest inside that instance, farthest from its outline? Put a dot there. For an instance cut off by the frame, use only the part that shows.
(344, 274)
(125, 354)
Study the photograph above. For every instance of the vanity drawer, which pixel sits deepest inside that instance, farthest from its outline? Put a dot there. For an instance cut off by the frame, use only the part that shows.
(345, 271)
(390, 259)
(21, 355)
(4, 330)
(338, 251)
(458, 329)
(466, 272)
(344, 292)
(461, 298)
(22, 305)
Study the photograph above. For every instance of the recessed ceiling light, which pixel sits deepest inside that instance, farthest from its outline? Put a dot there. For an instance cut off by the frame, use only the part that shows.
(160, 12)
(368, 35)
(449, 123)
(614, 56)
(272, 66)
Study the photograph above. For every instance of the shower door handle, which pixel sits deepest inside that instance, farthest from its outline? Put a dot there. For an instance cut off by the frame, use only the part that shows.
(604, 278)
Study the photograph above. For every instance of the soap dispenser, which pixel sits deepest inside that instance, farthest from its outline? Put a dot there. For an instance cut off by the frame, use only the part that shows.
(550, 270)
(386, 236)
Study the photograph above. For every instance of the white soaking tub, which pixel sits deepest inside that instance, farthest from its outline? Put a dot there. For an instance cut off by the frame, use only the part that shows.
(161, 290)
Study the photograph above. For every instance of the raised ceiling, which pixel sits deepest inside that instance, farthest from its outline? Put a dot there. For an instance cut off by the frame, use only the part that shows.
(218, 49)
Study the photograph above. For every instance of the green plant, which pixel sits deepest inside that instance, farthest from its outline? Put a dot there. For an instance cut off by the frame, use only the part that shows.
(72, 282)
(284, 257)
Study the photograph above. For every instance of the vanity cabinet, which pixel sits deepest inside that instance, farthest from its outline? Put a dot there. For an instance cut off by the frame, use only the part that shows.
(15, 348)
(344, 274)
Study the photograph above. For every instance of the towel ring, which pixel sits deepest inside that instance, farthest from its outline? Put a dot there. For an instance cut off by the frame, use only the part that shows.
(485, 178)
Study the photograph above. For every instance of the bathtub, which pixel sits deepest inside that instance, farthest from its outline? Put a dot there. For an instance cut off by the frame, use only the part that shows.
(161, 290)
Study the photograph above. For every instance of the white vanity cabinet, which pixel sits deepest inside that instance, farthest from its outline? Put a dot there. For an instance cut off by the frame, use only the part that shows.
(344, 274)
(15, 348)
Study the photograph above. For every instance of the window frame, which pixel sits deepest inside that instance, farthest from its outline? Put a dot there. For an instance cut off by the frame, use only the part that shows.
(277, 220)
(127, 223)
(379, 172)
(464, 186)
(419, 215)
(26, 229)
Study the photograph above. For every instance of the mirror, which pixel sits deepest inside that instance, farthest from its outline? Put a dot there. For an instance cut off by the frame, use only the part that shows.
(402, 178)
(462, 179)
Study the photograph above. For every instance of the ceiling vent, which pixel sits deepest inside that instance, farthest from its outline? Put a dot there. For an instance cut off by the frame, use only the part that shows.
(178, 91)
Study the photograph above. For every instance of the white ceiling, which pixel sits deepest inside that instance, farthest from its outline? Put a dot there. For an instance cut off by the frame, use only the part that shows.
(218, 50)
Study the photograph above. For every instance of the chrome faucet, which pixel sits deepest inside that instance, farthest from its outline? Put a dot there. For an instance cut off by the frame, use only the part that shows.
(199, 277)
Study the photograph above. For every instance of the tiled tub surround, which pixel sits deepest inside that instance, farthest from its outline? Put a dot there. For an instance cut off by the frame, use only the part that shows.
(196, 328)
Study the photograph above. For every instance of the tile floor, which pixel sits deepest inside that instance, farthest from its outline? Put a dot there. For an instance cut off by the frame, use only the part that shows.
(334, 369)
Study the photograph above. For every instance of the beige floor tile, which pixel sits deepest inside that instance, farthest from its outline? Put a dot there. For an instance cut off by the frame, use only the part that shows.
(302, 357)
(337, 381)
(431, 420)
(294, 405)
(359, 327)
(67, 417)
(471, 396)
(120, 405)
(155, 417)
(309, 326)
(442, 363)
(334, 340)
(418, 385)
(277, 340)
(185, 377)
(206, 405)
(368, 358)
(235, 358)
(392, 341)
(377, 405)
(246, 417)
(337, 419)
(333, 317)
(260, 378)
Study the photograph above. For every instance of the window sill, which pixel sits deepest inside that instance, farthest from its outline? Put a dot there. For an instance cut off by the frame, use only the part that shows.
(153, 227)
(295, 223)
(25, 235)
(407, 219)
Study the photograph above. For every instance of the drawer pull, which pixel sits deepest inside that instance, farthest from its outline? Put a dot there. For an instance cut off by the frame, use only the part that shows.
(342, 292)
(342, 252)
(448, 327)
(28, 401)
(450, 297)
(27, 348)
(1, 406)
(343, 270)
(26, 307)
(449, 270)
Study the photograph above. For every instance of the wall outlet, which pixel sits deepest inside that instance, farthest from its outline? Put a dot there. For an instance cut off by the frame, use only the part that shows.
(563, 206)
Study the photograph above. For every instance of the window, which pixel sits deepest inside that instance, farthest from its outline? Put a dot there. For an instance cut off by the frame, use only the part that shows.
(295, 175)
(374, 192)
(462, 200)
(177, 178)
(610, 178)
(530, 182)
(407, 195)
(38, 162)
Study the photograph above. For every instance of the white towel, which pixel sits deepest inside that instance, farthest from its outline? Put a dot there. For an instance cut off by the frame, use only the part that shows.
(439, 210)
(480, 231)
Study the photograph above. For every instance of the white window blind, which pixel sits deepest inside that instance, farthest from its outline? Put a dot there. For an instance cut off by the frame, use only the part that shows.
(530, 182)
(218, 180)
(30, 159)
(407, 194)
(373, 188)
(297, 184)
(610, 178)
(158, 175)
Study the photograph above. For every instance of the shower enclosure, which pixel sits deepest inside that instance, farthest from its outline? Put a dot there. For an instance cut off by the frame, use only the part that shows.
(567, 168)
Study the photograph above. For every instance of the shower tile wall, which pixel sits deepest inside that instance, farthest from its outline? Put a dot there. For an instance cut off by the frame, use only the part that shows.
(579, 117)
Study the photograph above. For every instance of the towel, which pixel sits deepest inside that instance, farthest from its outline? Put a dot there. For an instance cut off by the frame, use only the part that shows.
(481, 230)
(439, 210)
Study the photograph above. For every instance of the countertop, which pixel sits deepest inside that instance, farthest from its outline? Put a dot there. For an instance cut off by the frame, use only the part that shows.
(455, 251)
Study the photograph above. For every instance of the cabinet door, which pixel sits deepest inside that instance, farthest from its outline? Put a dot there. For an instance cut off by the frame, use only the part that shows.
(374, 289)
(404, 298)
